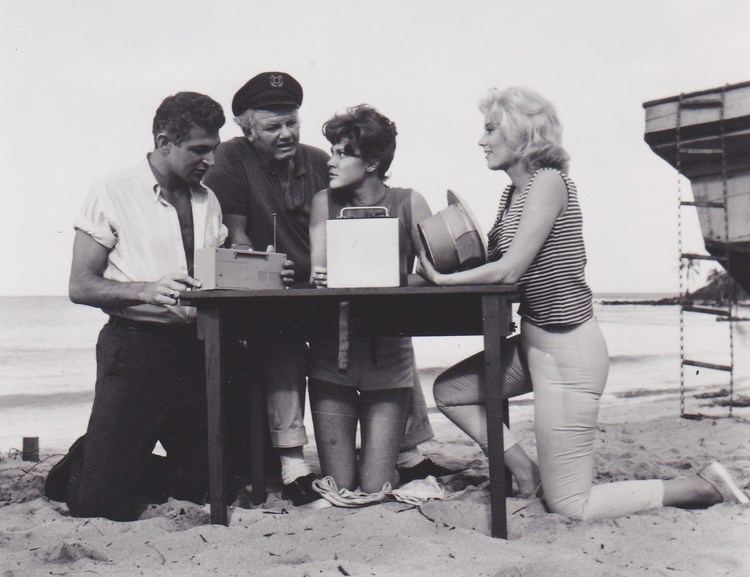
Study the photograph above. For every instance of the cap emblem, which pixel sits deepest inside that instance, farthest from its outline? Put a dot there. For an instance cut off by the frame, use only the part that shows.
(276, 80)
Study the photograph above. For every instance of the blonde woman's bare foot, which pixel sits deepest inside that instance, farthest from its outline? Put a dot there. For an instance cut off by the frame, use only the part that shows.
(524, 470)
(529, 485)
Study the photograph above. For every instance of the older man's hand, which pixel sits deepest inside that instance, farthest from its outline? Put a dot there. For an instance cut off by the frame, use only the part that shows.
(287, 273)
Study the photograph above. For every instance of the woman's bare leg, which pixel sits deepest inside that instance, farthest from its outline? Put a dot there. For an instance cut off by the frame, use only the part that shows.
(382, 418)
(334, 412)
(459, 395)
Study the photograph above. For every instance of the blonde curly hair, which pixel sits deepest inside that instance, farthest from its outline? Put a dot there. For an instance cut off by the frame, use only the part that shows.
(529, 125)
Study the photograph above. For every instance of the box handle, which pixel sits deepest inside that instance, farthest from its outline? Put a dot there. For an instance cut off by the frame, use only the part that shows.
(251, 254)
(362, 209)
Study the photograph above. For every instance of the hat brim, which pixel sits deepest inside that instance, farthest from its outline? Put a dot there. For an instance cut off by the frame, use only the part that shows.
(452, 238)
(271, 104)
(454, 198)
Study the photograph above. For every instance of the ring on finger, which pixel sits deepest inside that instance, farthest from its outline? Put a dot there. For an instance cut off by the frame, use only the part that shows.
(172, 294)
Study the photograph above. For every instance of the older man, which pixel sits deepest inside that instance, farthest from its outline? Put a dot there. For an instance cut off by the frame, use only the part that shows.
(265, 181)
(133, 258)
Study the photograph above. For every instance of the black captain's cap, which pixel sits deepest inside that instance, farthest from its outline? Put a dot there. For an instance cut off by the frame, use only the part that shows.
(267, 90)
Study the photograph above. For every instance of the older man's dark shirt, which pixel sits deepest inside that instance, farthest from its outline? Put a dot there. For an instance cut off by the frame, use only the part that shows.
(247, 184)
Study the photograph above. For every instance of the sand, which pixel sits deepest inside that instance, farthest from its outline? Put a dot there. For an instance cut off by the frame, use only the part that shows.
(441, 538)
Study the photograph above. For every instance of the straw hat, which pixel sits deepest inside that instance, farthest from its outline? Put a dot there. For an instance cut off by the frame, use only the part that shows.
(452, 239)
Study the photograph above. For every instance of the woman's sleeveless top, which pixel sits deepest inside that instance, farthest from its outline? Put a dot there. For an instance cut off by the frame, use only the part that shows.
(389, 364)
(553, 289)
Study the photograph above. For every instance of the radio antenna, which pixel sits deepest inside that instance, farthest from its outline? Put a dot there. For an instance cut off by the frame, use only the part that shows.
(274, 232)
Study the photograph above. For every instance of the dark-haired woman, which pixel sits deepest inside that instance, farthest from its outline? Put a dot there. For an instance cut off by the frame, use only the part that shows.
(374, 393)
(560, 354)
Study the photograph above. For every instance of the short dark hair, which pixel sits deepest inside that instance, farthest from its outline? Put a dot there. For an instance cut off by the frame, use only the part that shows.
(369, 135)
(177, 115)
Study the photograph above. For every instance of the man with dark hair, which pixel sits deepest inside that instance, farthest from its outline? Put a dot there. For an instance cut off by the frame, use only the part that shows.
(265, 182)
(133, 258)
(177, 115)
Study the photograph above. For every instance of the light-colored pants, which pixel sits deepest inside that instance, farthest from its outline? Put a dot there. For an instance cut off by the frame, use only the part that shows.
(567, 371)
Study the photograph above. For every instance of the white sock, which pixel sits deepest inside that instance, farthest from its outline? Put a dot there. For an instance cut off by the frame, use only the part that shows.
(409, 458)
(293, 464)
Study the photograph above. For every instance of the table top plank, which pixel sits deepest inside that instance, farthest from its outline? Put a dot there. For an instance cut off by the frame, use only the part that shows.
(196, 296)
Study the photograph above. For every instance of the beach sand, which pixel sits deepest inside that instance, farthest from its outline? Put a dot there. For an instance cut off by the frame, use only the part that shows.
(441, 538)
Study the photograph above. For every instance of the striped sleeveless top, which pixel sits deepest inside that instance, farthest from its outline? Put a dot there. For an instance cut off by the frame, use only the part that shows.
(553, 289)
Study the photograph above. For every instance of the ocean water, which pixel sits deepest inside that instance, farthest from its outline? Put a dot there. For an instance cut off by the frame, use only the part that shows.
(47, 365)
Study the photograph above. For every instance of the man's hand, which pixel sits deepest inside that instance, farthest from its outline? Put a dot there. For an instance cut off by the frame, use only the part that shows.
(320, 277)
(167, 290)
(287, 273)
(89, 287)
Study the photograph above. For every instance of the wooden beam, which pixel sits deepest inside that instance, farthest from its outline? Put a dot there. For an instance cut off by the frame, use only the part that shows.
(707, 310)
(703, 365)
(212, 331)
(493, 317)
(258, 426)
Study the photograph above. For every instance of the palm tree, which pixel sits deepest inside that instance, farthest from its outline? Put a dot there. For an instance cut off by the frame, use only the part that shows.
(692, 270)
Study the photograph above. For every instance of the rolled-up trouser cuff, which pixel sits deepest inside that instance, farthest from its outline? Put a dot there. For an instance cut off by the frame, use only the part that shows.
(289, 438)
(418, 429)
(413, 438)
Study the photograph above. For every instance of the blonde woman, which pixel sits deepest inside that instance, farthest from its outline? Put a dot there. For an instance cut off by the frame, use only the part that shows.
(560, 354)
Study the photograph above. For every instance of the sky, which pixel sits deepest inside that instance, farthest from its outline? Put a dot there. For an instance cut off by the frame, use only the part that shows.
(81, 82)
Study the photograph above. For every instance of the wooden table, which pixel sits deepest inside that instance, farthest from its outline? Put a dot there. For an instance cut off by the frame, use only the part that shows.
(414, 311)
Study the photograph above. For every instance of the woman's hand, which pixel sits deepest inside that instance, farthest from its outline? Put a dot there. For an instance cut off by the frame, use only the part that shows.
(428, 272)
(320, 277)
(545, 200)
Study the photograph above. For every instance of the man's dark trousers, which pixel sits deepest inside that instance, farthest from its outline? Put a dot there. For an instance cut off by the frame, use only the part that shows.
(150, 387)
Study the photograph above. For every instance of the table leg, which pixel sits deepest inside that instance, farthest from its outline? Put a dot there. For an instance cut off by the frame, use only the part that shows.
(258, 426)
(493, 314)
(210, 318)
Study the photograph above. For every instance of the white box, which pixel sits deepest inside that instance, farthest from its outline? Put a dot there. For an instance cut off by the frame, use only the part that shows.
(362, 252)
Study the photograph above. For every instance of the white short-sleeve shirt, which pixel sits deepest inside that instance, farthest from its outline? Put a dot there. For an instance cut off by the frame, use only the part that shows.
(126, 213)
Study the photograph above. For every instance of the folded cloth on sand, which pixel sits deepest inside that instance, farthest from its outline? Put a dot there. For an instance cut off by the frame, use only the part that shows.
(328, 489)
(420, 491)
(414, 493)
